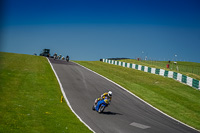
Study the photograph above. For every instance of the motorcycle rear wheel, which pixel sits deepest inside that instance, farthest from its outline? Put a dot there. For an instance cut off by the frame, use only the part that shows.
(93, 108)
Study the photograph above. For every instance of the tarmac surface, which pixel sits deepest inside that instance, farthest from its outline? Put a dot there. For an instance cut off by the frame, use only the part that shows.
(125, 114)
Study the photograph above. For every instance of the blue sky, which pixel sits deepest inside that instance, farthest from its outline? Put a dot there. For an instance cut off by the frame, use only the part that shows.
(94, 29)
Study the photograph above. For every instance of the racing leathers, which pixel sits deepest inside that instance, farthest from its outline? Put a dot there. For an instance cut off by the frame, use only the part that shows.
(103, 97)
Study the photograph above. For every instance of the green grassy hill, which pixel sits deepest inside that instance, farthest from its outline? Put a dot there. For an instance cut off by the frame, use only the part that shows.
(30, 98)
(30, 95)
(176, 99)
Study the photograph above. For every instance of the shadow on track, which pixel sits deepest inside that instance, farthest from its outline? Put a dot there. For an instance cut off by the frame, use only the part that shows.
(110, 113)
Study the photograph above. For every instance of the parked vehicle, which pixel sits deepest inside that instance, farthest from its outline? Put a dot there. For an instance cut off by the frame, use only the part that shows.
(45, 52)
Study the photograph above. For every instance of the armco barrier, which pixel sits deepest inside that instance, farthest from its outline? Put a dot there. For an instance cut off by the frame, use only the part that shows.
(170, 74)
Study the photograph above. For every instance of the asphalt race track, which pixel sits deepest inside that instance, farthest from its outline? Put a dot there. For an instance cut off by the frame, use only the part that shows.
(126, 114)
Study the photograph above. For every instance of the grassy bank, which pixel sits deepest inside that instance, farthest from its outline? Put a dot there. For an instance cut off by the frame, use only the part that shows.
(190, 69)
(178, 100)
(30, 98)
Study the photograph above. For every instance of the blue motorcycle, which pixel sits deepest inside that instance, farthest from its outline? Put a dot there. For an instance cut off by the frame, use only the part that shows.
(101, 105)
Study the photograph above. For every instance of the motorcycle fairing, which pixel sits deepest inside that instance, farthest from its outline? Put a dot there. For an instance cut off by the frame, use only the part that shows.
(99, 103)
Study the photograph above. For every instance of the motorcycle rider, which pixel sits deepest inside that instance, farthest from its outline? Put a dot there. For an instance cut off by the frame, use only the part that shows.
(67, 58)
(55, 56)
(106, 94)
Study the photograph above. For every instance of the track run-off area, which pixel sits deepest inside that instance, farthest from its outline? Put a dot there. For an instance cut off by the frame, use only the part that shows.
(125, 114)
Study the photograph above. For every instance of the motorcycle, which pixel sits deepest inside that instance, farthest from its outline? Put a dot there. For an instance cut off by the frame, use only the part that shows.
(101, 104)
(67, 58)
(54, 57)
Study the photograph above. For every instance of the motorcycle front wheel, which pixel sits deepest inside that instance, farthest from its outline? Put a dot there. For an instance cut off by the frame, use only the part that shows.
(101, 109)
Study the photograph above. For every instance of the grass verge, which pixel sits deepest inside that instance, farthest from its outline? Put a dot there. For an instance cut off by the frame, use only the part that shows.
(175, 99)
(30, 98)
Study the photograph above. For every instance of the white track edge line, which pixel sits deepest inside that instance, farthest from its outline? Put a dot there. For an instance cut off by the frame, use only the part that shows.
(68, 103)
(139, 98)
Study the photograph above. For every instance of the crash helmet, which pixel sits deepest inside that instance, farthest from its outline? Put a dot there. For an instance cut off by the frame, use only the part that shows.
(110, 93)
